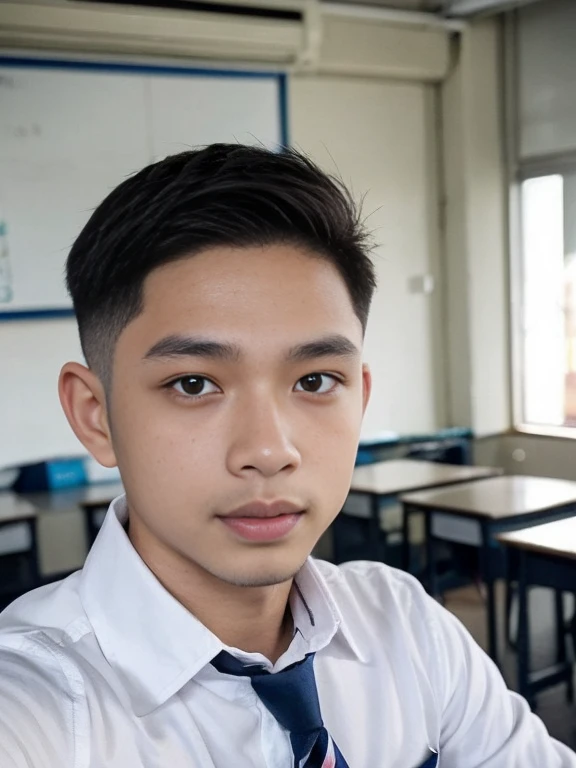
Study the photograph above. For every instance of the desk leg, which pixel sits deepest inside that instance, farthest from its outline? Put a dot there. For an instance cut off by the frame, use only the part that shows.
(336, 540)
(560, 627)
(572, 631)
(523, 641)
(510, 576)
(487, 573)
(34, 559)
(561, 650)
(406, 547)
(431, 579)
(90, 526)
(378, 552)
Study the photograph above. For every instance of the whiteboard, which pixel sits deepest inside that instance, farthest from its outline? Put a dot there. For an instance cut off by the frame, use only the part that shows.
(71, 131)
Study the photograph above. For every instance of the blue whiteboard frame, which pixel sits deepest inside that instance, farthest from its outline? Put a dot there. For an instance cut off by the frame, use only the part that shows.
(150, 69)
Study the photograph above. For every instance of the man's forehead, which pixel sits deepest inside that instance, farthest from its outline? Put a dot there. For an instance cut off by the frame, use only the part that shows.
(219, 273)
(256, 308)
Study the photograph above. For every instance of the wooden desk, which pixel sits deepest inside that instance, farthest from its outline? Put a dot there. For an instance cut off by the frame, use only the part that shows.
(14, 509)
(388, 479)
(546, 558)
(25, 508)
(96, 500)
(90, 498)
(484, 509)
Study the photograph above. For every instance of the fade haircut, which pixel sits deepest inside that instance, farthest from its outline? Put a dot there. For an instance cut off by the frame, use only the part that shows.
(220, 195)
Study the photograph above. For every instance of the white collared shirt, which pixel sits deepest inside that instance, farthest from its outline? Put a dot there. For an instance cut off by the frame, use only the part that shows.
(107, 670)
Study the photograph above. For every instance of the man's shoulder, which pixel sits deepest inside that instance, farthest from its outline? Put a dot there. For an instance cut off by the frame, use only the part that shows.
(379, 591)
(38, 632)
(43, 682)
(53, 606)
(38, 700)
(367, 576)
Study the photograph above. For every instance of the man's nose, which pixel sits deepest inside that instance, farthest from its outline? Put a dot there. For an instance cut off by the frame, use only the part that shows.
(261, 440)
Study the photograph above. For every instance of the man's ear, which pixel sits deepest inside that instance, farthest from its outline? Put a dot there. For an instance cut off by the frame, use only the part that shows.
(84, 402)
(366, 386)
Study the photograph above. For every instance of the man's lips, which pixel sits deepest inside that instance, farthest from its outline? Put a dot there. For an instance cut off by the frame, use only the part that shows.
(264, 509)
(262, 521)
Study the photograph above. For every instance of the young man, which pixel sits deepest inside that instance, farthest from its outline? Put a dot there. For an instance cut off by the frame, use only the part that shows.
(222, 297)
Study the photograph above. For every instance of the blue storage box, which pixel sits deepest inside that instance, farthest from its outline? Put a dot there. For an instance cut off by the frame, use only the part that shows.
(51, 475)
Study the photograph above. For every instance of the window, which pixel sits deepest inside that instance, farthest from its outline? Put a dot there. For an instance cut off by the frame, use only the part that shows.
(541, 61)
(548, 343)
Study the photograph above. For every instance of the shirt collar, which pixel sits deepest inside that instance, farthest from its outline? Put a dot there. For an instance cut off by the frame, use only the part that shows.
(316, 614)
(154, 644)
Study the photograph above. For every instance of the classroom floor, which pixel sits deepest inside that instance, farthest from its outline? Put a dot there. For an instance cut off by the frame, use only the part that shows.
(558, 716)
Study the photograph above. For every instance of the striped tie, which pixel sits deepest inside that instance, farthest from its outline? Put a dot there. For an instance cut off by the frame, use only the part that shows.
(292, 697)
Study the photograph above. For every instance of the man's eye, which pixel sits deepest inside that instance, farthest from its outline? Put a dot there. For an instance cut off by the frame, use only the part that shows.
(193, 386)
(317, 383)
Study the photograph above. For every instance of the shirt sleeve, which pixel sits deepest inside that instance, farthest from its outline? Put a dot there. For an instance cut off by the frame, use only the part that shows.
(36, 713)
(483, 724)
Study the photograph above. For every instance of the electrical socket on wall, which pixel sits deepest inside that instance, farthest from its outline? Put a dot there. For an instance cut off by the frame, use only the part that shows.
(421, 284)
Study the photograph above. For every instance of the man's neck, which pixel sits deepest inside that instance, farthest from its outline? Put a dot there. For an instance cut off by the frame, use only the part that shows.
(252, 619)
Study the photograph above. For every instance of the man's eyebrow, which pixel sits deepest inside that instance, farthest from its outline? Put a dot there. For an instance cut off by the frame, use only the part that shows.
(176, 346)
(329, 346)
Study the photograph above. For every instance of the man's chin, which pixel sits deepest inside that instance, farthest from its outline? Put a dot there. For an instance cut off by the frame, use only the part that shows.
(257, 577)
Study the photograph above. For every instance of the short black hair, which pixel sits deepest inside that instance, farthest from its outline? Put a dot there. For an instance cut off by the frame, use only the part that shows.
(220, 195)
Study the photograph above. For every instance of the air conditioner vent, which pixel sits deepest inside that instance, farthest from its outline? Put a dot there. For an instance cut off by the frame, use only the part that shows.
(230, 9)
(273, 31)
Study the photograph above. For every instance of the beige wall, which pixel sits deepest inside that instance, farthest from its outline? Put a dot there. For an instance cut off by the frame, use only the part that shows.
(31, 355)
(525, 454)
(380, 137)
(476, 258)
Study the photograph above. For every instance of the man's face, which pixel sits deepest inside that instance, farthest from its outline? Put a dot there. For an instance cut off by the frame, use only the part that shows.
(240, 383)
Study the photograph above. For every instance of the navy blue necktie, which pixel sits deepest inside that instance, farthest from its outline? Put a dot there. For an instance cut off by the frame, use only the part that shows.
(292, 697)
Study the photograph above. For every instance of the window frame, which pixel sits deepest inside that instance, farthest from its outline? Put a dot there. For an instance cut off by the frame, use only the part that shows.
(531, 169)
(517, 172)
